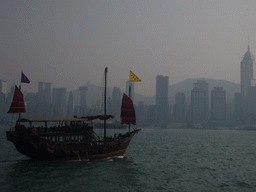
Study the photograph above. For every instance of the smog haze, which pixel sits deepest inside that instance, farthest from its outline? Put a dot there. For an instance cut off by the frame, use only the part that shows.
(69, 43)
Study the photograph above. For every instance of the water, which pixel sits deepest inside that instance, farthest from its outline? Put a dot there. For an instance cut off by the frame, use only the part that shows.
(156, 160)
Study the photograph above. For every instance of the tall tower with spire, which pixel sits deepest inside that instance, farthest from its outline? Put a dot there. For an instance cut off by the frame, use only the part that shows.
(246, 70)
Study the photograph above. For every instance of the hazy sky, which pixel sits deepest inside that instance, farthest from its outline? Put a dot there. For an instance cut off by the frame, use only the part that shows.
(69, 43)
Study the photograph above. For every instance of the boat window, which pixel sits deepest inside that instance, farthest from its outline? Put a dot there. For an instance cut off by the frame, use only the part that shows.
(74, 138)
(67, 139)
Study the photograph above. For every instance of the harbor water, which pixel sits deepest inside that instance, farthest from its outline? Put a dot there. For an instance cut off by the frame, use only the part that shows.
(156, 160)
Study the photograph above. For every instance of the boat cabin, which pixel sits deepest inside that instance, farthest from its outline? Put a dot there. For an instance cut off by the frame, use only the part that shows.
(59, 130)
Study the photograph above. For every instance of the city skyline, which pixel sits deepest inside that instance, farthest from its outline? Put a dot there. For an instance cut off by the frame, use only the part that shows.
(61, 104)
(70, 43)
(178, 87)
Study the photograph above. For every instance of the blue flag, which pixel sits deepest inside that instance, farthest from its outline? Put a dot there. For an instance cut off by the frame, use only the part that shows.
(24, 79)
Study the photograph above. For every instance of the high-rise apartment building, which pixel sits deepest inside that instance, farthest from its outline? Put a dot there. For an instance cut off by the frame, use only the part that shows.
(59, 102)
(83, 91)
(109, 106)
(150, 115)
(140, 114)
(179, 108)
(251, 110)
(199, 102)
(218, 105)
(42, 105)
(162, 115)
(2, 106)
(130, 89)
(116, 101)
(44, 92)
(3, 87)
(70, 108)
(3, 95)
(238, 110)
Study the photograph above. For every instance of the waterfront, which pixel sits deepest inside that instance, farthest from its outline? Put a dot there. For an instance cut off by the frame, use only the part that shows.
(156, 160)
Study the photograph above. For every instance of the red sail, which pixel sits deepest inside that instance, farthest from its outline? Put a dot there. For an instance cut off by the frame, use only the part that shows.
(127, 111)
(18, 105)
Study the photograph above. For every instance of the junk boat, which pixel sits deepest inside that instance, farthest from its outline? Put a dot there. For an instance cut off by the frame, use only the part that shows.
(69, 138)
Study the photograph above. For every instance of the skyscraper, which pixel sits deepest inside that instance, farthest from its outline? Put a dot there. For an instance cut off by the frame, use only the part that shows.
(162, 116)
(44, 92)
(83, 91)
(251, 110)
(116, 101)
(3, 87)
(150, 115)
(140, 113)
(59, 102)
(199, 102)
(128, 84)
(43, 105)
(3, 107)
(179, 108)
(218, 105)
(70, 108)
(238, 110)
(246, 70)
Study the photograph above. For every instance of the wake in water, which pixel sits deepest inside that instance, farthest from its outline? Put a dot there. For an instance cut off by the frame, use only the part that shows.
(174, 160)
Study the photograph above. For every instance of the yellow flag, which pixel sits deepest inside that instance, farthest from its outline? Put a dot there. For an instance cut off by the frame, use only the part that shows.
(133, 77)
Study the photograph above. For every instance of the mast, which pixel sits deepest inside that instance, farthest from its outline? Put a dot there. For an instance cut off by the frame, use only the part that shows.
(19, 112)
(133, 77)
(23, 79)
(130, 98)
(105, 104)
(20, 91)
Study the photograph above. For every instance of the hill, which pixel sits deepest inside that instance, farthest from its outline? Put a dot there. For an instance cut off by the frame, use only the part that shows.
(187, 85)
(94, 92)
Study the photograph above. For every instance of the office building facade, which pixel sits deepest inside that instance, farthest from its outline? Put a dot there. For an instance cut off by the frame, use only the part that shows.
(218, 106)
(70, 107)
(162, 115)
(179, 114)
(130, 89)
(116, 101)
(246, 71)
(83, 104)
(199, 102)
(44, 92)
(59, 102)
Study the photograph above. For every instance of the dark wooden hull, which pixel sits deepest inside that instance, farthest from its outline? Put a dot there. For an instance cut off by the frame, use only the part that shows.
(37, 147)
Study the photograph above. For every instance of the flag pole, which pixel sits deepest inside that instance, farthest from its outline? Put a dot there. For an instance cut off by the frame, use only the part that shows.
(20, 90)
(20, 81)
(23, 79)
(133, 78)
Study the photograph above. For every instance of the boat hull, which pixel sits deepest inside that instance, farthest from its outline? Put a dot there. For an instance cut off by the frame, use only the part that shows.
(37, 148)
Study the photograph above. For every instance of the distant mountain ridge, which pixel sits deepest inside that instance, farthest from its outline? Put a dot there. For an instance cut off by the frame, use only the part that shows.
(187, 85)
(184, 86)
